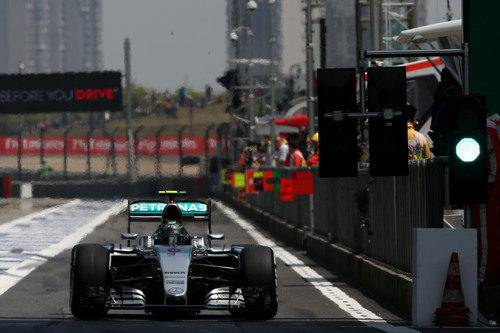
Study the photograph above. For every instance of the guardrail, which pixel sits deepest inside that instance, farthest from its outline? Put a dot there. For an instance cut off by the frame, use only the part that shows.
(382, 228)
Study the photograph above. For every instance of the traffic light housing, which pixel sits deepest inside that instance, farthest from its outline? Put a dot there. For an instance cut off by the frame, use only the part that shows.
(229, 80)
(468, 151)
(338, 149)
(388, 135)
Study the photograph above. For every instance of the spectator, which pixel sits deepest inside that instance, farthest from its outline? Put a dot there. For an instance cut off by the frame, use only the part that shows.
(302, 141)
(418, 147)
(182, 96)
(266, 145)
(281, 152)
(167, 94)
(314, 159)
(44, 169)
(364, 147)
(169, 109)
(208, 93)
(296, 157)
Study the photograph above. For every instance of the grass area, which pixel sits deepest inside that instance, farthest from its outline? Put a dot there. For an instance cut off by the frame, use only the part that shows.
(202, 118)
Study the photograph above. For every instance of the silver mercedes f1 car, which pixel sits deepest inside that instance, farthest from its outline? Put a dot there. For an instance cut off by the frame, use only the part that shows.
(173, 271)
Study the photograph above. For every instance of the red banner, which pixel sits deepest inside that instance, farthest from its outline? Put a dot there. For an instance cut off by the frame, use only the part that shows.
(102, 146)
(267, 186)
(286, 192)
(302, 182)
(249, 181)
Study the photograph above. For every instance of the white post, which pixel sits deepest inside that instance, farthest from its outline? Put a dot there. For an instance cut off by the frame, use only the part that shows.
(132, 171)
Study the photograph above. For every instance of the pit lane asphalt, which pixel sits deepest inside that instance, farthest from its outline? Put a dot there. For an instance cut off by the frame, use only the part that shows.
(39, 302)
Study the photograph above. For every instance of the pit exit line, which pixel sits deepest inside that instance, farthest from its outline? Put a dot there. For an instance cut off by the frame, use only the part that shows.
(334, 294)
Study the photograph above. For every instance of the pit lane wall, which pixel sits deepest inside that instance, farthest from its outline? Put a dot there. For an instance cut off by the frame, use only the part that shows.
(376, 251)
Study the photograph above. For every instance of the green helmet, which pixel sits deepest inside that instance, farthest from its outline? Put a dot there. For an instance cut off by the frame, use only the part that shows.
(171, 228)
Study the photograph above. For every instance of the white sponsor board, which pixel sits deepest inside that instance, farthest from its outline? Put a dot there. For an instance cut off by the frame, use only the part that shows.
(431, 253)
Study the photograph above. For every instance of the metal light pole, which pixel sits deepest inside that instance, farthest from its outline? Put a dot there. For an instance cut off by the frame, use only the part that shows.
(132, 170)
(310, 96)
(309, 68)
(375, 13)
(235, 24)
(468, 220)
(272, 76)
(251, 111)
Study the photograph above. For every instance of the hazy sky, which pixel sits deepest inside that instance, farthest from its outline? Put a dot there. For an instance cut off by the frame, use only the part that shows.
(172, 41)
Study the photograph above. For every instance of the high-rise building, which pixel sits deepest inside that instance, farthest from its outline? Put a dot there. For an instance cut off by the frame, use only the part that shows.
(50, 35)
(289, 35)
(258, 22)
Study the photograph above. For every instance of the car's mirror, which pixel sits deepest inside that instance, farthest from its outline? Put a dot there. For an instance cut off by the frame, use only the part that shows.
(126, 235)
(215, 236)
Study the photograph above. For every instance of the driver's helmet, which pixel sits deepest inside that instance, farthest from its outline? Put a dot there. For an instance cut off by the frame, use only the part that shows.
(171, 213)
(171, 228)
(171, 220)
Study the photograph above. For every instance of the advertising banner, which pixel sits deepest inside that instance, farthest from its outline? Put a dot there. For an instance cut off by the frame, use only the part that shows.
(86, 91)
(102, 146)
(302, 182)
(286, 189)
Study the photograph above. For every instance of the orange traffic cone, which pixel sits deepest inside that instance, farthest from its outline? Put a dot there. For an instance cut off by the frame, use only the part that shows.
(453, 311)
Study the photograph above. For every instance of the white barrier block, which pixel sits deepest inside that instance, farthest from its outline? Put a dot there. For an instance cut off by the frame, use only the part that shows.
(26, 190)
(431, 253)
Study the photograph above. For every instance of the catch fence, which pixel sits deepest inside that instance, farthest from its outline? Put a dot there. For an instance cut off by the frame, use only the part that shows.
(106, 155)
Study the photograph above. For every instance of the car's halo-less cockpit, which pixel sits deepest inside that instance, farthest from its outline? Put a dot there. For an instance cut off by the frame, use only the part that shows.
(171, 230)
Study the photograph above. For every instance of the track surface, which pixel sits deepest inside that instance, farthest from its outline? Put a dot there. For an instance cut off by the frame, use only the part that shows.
(39, 302)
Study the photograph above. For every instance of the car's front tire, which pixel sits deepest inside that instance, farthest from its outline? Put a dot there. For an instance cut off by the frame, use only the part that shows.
(259, 282)
(89, 281)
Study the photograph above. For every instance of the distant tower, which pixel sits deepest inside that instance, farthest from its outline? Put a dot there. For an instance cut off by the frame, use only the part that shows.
(82, 35)
(237, 16)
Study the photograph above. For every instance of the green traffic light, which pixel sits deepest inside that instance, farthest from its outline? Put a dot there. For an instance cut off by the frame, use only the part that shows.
(467, 149)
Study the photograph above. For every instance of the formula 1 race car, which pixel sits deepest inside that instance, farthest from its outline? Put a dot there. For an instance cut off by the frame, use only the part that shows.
(173, 271)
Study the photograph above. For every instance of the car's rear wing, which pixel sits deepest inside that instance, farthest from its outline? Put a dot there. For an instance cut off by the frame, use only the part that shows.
(151, 211)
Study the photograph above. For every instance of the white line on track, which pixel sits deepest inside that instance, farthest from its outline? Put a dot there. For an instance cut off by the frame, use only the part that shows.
(334, 294)
(73, 224)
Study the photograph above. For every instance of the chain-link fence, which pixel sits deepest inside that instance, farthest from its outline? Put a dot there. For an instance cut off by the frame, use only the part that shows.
(103, 153)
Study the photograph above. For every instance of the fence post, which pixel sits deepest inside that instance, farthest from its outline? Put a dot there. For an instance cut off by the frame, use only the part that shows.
(191, 105)
(136, 134)
(158, 156)
(19, 148)
(226, 138)
(105, 134)
(179, 138)
(89, 133)
(207, 148)
(220, 130)
(113, 153)
(65, 151)
(42, 134)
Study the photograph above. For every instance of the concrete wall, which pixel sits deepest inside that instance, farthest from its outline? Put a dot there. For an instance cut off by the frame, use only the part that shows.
(395, 206)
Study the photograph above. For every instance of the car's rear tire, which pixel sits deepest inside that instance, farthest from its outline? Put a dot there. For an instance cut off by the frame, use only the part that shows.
(259, 282)
(89, 281)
